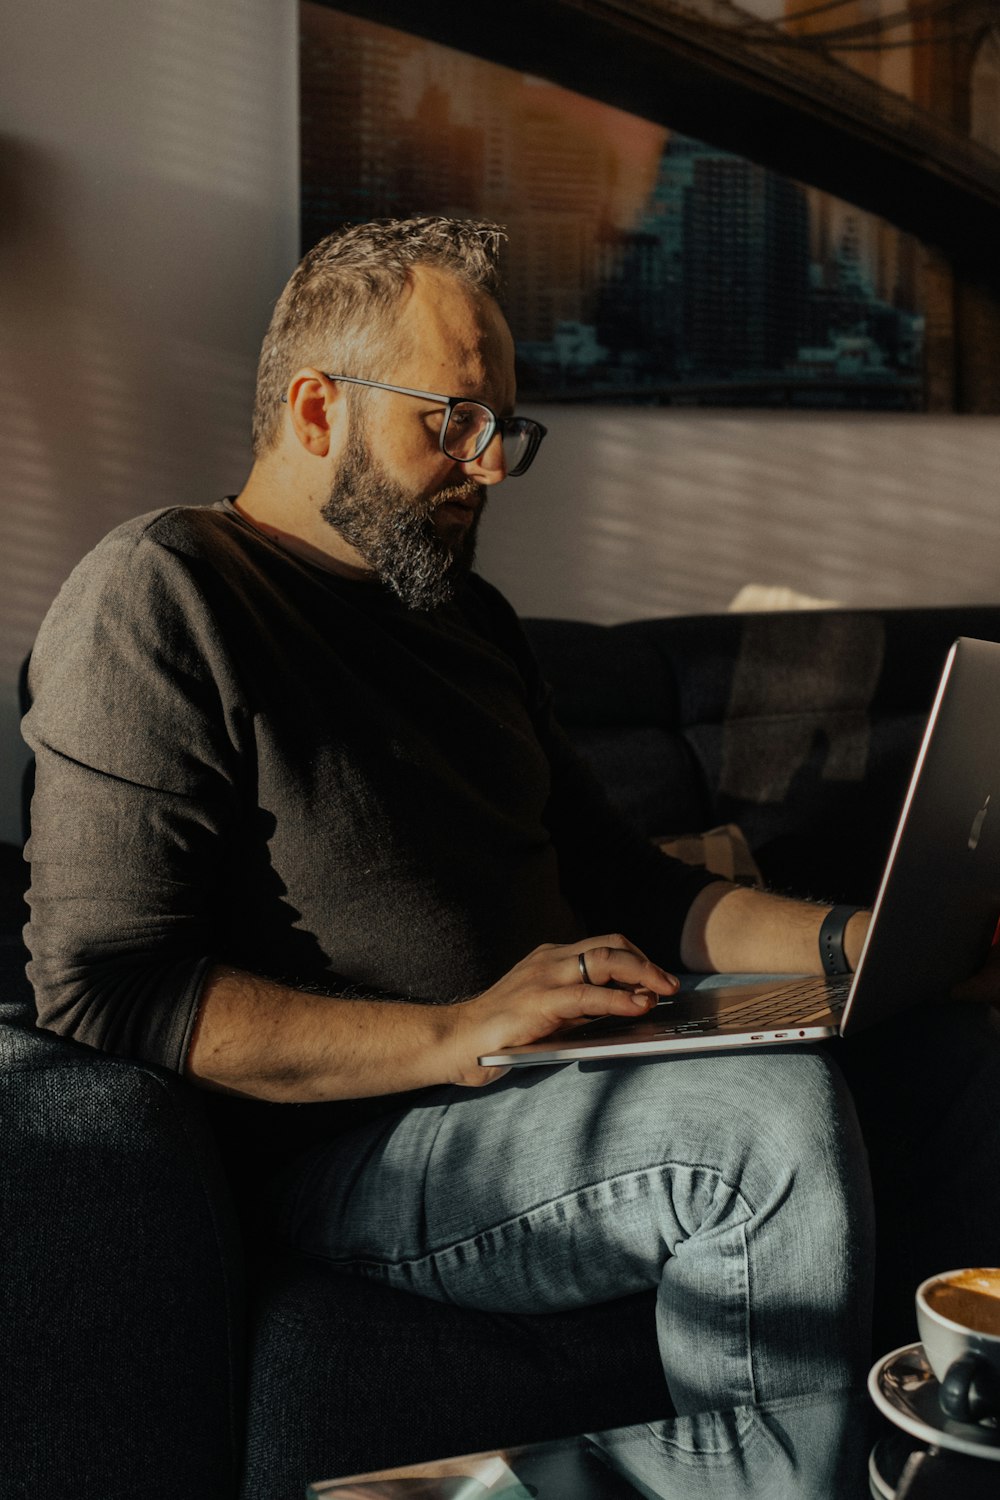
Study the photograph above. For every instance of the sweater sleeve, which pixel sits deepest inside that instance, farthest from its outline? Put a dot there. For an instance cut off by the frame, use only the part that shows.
(135, 809)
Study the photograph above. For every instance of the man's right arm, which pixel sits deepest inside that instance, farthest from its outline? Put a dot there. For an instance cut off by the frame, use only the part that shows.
(264, 1040)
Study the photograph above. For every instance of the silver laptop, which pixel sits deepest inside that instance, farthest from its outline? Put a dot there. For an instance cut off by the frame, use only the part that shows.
(935, 916)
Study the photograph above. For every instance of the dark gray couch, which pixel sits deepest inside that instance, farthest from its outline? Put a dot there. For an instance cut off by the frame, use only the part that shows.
(154, 1345)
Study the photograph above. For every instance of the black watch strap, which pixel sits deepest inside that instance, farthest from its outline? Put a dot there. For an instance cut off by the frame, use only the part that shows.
(831, 940)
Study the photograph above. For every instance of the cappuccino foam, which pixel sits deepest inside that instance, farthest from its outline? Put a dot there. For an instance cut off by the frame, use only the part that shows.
(971, 1298)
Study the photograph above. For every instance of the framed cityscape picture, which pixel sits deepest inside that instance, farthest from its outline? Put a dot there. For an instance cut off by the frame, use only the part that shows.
(642, 266)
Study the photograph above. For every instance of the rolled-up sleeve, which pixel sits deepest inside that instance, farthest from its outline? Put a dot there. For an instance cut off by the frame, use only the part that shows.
(135, 807)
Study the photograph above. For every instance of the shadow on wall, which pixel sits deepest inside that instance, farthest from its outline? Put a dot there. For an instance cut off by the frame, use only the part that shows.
(38, 381)
(126, 378)
(118, 373)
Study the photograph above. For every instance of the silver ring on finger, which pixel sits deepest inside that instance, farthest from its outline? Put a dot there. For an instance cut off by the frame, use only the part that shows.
(581, 959)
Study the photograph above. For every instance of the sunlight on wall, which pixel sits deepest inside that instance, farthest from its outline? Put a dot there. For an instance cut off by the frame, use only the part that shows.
(639, 513)
(149, 171)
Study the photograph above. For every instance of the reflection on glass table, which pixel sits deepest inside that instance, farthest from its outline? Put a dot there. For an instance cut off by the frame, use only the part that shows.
(807, 1448)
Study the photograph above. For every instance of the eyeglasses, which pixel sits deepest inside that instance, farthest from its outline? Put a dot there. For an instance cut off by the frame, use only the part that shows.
(470, 426)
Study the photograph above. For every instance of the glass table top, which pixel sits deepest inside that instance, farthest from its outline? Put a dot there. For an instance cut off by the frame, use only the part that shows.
(890, 1441)
(812, 1447)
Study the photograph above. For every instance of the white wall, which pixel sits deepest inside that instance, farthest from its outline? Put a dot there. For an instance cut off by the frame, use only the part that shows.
(149, 183)
(642, 513)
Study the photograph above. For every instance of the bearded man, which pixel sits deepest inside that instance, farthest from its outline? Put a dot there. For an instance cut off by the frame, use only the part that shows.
(307, 833)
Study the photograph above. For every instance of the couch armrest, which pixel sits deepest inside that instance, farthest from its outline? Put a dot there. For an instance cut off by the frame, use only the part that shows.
(121, 1363)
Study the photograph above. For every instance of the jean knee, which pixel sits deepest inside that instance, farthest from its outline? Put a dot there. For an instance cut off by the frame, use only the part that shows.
(808, 1105)
(798, 1128)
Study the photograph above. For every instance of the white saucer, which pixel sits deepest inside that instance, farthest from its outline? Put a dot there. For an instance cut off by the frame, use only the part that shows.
(904, 1389)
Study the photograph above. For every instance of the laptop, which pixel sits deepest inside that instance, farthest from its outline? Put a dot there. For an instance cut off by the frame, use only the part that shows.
(934, 919)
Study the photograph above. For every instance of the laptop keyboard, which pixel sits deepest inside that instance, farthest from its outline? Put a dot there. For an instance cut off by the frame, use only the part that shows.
(796, 1002)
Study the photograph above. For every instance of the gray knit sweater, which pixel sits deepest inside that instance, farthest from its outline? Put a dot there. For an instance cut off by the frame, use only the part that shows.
(245, 759)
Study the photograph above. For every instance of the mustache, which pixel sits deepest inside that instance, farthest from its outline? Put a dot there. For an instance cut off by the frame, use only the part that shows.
(462, 494)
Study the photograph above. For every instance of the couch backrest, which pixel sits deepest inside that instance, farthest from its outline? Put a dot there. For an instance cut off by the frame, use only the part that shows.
(801, 727)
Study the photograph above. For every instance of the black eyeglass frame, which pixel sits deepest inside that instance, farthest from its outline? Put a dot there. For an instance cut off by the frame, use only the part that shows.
(514, 426)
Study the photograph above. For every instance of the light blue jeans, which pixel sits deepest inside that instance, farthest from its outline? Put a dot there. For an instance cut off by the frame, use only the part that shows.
(802, 1448)
(735, 1185)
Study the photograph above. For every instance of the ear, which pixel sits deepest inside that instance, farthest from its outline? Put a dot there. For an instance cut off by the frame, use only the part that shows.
(316, 410)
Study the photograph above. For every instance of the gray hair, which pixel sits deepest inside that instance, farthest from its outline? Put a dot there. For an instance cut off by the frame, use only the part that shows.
(335, 312)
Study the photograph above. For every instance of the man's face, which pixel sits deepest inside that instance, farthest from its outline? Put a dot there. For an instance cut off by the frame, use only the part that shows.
(409, 511)
(410, 540)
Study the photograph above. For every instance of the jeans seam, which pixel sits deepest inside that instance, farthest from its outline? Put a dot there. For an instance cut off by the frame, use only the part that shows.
(384, 1264)
(428, 1161)
(748, 1304)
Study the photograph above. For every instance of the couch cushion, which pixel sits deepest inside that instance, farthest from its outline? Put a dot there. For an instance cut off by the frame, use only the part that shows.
(801, 727)
(723, 851)
(120, 1359)
(349, 1375)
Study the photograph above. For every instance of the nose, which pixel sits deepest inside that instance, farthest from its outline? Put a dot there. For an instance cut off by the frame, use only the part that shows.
(490, 467)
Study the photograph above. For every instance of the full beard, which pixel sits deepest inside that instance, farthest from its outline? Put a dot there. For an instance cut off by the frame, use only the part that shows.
(396, 534)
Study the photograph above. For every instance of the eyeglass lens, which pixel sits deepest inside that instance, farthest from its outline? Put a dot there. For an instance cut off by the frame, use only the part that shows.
(467, 429)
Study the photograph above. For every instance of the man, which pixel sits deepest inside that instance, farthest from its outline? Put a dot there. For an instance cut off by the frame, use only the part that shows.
(305, 831)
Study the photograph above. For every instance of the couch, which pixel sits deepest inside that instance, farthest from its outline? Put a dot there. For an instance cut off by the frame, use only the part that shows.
(155, 1344)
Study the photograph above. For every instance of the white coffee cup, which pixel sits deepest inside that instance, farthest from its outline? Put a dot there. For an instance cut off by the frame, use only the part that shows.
(958, 1316)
